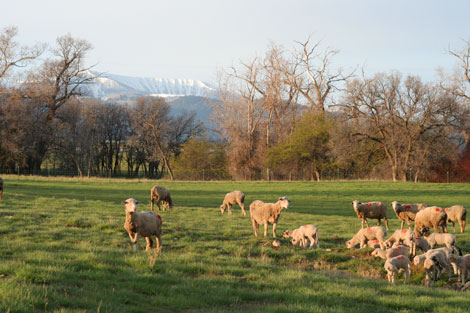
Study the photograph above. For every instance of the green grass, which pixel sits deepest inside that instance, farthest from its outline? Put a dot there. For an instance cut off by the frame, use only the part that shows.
(63, 248)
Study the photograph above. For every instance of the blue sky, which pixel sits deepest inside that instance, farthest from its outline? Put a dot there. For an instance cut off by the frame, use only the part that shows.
(191, 39)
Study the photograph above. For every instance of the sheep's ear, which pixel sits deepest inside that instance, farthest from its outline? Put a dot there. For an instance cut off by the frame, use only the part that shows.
(136, 202)
(124, 202)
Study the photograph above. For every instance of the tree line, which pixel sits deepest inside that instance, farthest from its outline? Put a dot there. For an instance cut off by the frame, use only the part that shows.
(287, 115)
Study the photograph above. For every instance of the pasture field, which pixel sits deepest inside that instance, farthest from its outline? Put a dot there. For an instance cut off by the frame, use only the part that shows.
(63, 248)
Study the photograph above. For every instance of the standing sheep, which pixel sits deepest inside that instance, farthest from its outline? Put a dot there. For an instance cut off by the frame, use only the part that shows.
(449, 240)
(267, 213)
(302, 234)
(430, 217)
(461, 266)
(1, 188)
(231, 198)
(457, 213)
(405, 236)
(144, 224)
(395, 264)
(365, 234)
(160, 194)
(390, 252)
(376, 210)
(406, 212)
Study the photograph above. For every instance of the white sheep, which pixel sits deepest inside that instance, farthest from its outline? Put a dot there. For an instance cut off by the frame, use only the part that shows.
(430, 217)
(376, 210)
(303, 234)
(161, 194)
(390, 252)
(433, 266)
(231, 198)
(461, 266)
(405, 236)
(457, 213)
(449, 240)
(366, 234)
(422, 244)
(267, 213)
(396, 264)
(406, 212)
(442, 255)
(144, 224)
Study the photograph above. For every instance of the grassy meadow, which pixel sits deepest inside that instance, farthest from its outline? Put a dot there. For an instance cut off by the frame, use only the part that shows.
(63, 248)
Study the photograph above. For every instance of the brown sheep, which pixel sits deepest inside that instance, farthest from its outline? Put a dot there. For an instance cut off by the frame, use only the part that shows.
(457, 213)
(160, 194)
(407, 212)
(430, 217)
(267, 213)
(376, 210)
(144, 224)
(231, 198)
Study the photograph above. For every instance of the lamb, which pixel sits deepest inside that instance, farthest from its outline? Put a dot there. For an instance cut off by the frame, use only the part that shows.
(461, 266)
(395, 264)
(302, 234)
(365, 234)
(374, 244)
(144, 224)
(449, 240)
(406, 212)
(457, 213)
(433, 265)
(444, 251)
(391, 252)
(422, 244)
(375, 210)
(431, 217)
(1, 189)
(162, 194)
(231, 198)
(267, 213)
(406, 236)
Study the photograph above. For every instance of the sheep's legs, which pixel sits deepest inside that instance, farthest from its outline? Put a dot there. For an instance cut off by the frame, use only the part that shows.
(364, 220)
(274, 229)
(255, 227)
(462, 226)
(265, 229)
(229, 209)
(386, 222)
(243, 208)
(149, 243)
(134, 240)
(159, 243)
(407, 276)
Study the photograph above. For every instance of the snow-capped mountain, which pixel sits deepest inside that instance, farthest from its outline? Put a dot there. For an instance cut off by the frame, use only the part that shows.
(122, 88)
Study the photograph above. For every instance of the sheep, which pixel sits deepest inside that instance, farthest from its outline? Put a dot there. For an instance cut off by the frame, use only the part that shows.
(434, 263)
(374, 244)
(231, 198)
(449, 240)
(442, 255)
(144, 224)
(391, 252)
(461, 266)
(406, 212)
(365, 234)
(395, 264)
(267, 213)
(1, 189)
(422, 244)
(302, 234)
(430, 217)
(457, 213)
(406, 236)
(375, 210)
(162, 194)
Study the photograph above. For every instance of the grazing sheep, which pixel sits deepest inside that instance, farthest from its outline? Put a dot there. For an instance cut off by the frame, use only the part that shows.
(395, 264)
(231, 198)
(160, 194)
(405, 236)
(444, 251)
(457, 213)
(1, 189)
(461, 266)
(434, 264)
(422, 244)
(390, 252)
(431, 217)
(375, 210)
(303, 234)
(449, 240)
(365, 234)
(144, 224)
(374, 244)
(267, 213)
(406, 212)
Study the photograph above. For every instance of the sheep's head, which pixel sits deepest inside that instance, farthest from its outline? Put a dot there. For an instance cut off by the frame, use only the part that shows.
(285, 234)
(222, 208)
(395, 205)
(284, 202)
(348, 244)
(375, 252)
(131, 205)
(424, 231)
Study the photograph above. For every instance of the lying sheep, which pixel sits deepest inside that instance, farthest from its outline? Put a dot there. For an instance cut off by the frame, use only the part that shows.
(405, 236)
(457, 213)
(431, 217)
(390, 252)
(395, 264)
(376, 210)
(366, 234)
(303, 234)
(144, 224)
(461, 266)
(267, 213)
(449, 240)
(231, 198)
(406, 212)
(160, 194)
(1, 188)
